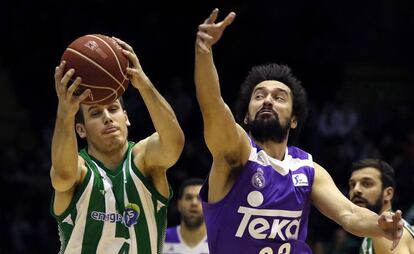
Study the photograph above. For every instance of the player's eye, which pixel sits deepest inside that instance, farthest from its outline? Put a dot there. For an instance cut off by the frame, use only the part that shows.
(259, 96)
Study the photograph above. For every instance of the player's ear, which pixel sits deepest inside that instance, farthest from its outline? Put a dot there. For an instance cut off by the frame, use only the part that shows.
(128, 123)
(293, 122)
(80, 129)
(388, 193)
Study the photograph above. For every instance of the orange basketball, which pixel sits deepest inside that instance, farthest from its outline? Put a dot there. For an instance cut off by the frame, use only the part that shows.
(99, 61)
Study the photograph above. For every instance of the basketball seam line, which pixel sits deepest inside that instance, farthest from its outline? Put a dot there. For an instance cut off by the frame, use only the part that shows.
(95, 63)
(116, 57)
(114, 91)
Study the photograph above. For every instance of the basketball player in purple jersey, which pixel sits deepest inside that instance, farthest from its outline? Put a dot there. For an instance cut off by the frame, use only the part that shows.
(259, 191)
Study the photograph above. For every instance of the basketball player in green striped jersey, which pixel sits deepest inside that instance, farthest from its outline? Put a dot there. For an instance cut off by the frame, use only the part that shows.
(372, 185)
(111, 197)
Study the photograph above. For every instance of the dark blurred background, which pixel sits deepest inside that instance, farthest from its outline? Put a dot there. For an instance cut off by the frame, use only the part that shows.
(354, 58)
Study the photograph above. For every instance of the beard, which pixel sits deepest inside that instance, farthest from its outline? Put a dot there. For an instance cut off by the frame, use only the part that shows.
(193, 222)
(376, 207)
(268, 128)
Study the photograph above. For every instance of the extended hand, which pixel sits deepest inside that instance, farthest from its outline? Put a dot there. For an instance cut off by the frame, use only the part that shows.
(68, 102)
(135, 72)
(209, 32)
(392, 225)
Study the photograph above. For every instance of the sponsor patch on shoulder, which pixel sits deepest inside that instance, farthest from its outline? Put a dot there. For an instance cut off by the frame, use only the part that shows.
(300, 180)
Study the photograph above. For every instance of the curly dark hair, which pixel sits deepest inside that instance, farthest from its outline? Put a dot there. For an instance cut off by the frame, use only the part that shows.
(281, 73)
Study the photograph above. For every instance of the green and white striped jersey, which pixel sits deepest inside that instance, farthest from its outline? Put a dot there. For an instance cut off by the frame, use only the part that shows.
(113, 211)
(367, 246)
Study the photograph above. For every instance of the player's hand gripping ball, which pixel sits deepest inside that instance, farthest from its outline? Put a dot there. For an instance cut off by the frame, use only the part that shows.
(99, 61)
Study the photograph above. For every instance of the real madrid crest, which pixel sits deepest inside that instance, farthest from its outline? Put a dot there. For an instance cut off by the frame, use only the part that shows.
(258, 180)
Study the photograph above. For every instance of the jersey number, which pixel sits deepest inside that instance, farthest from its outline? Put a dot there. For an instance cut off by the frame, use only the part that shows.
(283, 249)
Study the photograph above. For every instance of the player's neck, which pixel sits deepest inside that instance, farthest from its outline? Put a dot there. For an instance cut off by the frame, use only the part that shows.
(386, 207)
(110, 159)
(192, 236)
(274, 149)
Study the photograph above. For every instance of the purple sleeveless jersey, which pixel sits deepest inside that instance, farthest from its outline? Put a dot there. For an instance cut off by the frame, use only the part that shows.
(267, 209)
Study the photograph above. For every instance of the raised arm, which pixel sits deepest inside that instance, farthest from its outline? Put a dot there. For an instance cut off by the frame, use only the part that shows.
(354, 219)
(226, 140)
(163, 148)
(223, 136)
(66, 167)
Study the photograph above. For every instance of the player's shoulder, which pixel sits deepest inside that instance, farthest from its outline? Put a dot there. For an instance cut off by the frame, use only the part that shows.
(408, 234)
(406, 244)
(297, 152)
(138, 148)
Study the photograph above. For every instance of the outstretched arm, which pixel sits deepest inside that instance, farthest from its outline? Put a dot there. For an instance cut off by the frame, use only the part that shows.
(163, 148)
(354, 219)
(65, 171)
(219, 123)
(226, 140)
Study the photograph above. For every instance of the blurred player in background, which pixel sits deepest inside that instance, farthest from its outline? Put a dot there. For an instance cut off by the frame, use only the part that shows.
(372, 185)
(259, 191)
(190, 236)
(112, 196)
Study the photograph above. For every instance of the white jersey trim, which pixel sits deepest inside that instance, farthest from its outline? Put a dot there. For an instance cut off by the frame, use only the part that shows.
(148, 207)
(76, 239)
(109, 228)
(282, 167)
(182, 247)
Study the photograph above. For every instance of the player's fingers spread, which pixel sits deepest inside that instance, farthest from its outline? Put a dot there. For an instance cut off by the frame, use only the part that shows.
(84, 95)
(205, 27)
(129, 55)
(132, 71)
(58, 71)
(132, 57)
(68, 75)
(73, 86)
(398, 214)
(119, 41)
(388, 218)
(213, 16)
(204, 36)
(58, 77)
(123, 44)
(228, 20)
